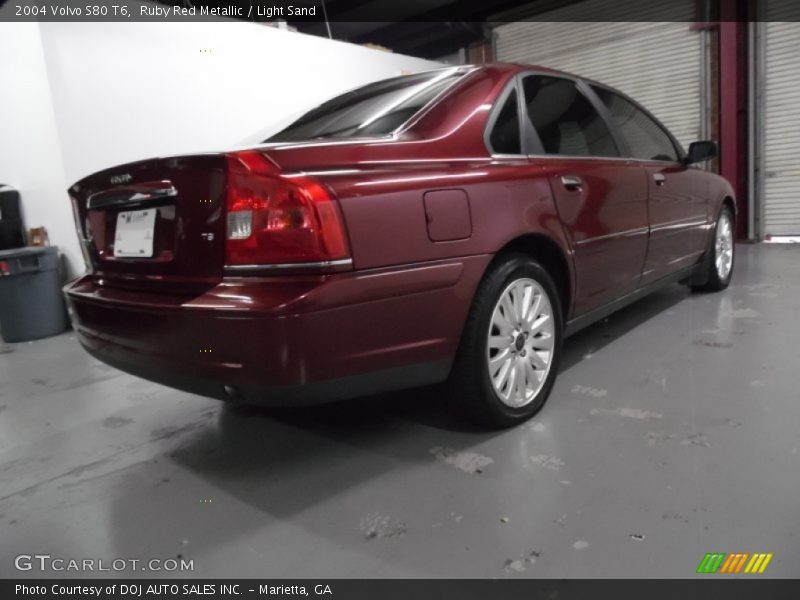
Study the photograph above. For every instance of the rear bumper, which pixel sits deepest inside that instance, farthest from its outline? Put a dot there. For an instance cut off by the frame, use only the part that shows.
(285, 340)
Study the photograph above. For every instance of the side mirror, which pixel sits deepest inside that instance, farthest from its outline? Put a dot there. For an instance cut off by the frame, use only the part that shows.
(700, 152)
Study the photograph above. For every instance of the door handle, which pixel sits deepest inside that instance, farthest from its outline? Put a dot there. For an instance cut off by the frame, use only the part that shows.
(659, 179)
(571, 182)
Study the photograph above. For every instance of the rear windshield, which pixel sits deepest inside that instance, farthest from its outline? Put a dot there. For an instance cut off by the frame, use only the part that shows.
(372, 110)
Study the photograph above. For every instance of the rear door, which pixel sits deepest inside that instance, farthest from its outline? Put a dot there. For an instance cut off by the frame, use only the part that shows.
(677, 193)
(600, 196)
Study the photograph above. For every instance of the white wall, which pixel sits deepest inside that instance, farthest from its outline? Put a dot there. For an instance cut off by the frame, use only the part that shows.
(30, 155)
(121, 92)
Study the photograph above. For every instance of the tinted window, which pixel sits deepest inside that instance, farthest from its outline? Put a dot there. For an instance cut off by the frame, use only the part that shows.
(375, 109)
(565, 120)
(645, 137)
(505, 138)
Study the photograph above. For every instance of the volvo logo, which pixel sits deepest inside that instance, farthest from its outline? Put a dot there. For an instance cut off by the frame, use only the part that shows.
(124, 178)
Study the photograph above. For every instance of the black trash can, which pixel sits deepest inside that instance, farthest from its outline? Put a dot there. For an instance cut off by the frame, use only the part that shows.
(31, 304)
(12, 233)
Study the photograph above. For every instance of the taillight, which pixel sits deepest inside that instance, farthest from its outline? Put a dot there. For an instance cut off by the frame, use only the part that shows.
(279, 219)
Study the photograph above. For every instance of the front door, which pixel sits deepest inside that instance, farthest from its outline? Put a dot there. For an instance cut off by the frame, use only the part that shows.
(677, 199)
(678, 218)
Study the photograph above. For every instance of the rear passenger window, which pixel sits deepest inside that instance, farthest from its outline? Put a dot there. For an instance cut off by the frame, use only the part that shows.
(646, 139)
(505, 137)
(565, 120)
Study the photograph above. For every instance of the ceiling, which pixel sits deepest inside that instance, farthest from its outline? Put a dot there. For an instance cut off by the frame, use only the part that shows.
(423, 28)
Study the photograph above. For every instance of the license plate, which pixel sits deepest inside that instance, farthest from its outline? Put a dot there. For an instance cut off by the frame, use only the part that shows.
(134, 233)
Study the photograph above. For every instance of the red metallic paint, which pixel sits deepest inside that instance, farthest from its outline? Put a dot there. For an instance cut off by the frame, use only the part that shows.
(404, 300)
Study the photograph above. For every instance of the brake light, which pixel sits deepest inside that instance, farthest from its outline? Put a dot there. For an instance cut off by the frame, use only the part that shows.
(278, 219)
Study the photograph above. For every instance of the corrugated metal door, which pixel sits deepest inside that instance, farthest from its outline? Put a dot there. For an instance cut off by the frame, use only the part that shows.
(659, 64)
(781, 119)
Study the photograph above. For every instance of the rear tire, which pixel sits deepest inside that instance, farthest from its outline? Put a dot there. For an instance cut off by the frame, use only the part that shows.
(511, 345)
(717, 268)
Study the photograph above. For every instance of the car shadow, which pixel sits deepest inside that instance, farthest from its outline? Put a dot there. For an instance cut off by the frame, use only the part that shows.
(307, 445)
(270, 467)
(595, 337)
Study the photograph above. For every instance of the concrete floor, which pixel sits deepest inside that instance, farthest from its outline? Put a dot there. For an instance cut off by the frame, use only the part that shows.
(672, 431)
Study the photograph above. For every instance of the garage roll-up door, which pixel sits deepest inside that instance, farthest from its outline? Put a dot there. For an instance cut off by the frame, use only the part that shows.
(781, 114)
(659, 64)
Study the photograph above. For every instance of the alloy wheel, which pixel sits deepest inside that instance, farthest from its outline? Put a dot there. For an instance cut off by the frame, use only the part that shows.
(521, 341)
(723, 256)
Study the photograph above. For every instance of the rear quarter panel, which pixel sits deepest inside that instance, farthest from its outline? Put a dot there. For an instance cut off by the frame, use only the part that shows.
(386, 220)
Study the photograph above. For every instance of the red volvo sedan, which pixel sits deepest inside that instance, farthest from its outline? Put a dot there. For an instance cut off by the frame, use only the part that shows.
(448, 226)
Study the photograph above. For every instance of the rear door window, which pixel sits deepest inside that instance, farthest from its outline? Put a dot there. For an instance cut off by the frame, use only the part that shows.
(645, 138)
(566, 121)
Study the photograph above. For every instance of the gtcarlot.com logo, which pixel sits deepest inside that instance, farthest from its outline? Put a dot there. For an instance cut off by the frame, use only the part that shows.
(46, 562)
(741, 562)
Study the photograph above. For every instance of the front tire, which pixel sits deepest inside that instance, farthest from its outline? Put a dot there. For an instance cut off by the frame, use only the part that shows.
(717, 269)
(509, 352)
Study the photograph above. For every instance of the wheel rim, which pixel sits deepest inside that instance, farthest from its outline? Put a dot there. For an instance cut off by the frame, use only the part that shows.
(724, 246)
(520, 342)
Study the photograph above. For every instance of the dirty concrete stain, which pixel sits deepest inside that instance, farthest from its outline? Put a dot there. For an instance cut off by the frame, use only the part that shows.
(81, 481)
(16, 463)
(3, 407)
(580, 545)
(696, 439)
(40, 381)
(712, 344)
(6, 350)
(548, 462)
(376, 525)
(629, 413)
(169, 432)
(758, 286)
(659, 437)
(637, 413)
(139, 396)
(537, 427)
(741, 313)
(81, 469)
(673, 516)
(521, 565)
(116, 422)
(29, 491)
(585, 390)
(91, 380)
(728, 422)
(469, 462)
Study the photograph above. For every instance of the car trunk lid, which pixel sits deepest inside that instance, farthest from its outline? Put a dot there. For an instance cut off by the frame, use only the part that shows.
(157, 224)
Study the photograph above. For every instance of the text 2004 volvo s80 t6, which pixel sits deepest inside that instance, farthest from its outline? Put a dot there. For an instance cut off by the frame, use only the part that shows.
(452, 225)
